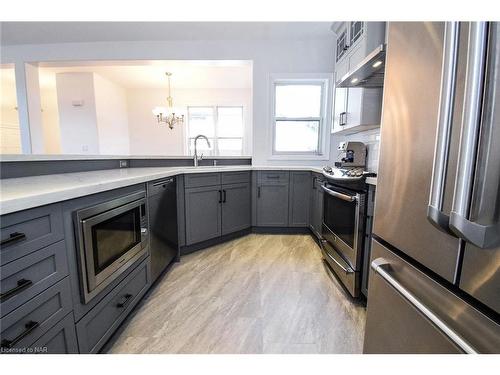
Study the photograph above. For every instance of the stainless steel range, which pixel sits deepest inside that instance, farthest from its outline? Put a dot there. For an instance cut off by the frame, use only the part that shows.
(345, 207)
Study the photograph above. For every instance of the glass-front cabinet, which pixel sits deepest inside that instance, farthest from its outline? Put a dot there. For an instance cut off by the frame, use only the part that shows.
(356, 31)
(342, 45)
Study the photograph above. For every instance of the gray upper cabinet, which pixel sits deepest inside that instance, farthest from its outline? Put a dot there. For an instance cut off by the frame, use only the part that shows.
(272, 199)
(356, 109)
(203, 213)
(299, 201)
(236, 209)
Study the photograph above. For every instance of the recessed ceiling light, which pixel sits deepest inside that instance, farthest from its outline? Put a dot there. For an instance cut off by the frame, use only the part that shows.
(354, 80)
(376, 64)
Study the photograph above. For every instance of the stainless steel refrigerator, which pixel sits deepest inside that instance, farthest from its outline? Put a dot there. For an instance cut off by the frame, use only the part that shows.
(434, 282)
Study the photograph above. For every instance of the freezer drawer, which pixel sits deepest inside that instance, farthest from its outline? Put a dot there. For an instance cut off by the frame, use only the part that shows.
(409, 312)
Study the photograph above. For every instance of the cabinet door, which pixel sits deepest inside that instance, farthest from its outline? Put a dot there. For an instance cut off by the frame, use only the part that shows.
(356, 32)
(236, 212)
(340, 109)
(272, 205)
(300, 190)
(203, 212)
(312, 209)
(342, 44)
(316, 207)
(60, 339)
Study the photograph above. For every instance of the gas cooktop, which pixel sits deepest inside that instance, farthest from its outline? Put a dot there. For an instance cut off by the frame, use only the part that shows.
(346, 174)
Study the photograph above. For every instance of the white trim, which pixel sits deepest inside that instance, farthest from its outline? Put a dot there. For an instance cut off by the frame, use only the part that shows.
(326, 79)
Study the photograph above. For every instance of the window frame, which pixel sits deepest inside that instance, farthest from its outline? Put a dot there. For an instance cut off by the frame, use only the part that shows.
(216, 137)
(323, 147)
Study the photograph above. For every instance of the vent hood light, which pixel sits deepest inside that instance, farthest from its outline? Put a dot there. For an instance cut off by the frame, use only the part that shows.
(368, 73)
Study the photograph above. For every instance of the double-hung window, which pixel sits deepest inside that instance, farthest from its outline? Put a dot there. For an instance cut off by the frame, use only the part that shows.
(222, 125)
(299, 120)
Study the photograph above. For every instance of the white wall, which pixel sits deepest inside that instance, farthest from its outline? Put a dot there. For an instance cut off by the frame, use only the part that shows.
(50, 121)
(268, 56)
(111, 116)
(78, 125)
(149, 138)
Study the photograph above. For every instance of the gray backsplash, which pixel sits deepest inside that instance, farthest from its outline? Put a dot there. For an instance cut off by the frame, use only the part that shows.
(371, 138)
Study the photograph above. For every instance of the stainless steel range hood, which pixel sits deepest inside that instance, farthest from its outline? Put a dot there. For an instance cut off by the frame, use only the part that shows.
(368, 73)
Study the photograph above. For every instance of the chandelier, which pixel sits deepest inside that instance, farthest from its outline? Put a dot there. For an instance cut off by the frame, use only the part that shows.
(169, 115)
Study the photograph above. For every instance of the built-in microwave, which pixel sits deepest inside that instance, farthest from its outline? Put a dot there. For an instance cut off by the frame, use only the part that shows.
(111, 236)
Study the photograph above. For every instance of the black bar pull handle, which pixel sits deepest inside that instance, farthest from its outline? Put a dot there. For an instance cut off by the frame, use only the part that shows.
(125, 302)
(224, 199)
(314, 183)
(220, 196)
(258, 192)
(21, 285)
(30, 327)
(13, 237)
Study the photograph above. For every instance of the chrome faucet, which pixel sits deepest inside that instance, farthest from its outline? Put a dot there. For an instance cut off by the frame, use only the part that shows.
(196, 159)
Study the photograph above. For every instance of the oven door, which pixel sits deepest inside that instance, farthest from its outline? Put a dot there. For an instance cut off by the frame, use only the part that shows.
(110, 242)
(343, 212)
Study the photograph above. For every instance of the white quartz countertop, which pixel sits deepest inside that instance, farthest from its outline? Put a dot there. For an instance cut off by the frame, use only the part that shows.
(18, 194)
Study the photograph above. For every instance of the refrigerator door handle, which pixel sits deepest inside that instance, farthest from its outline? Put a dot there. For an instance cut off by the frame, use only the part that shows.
(482, 236)
(382, 267)
(435, 212)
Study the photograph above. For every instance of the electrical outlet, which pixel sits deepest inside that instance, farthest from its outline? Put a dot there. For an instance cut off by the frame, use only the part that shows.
(123, 163)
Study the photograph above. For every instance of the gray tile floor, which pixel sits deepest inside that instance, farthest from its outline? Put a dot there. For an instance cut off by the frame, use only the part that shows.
(256, 294)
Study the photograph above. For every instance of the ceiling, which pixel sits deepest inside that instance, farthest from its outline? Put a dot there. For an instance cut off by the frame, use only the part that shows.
(151, 74)
(14, 33)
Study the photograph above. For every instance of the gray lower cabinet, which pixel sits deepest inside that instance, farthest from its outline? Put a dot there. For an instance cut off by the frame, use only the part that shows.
(60, 339)
(95, 328)
(219, 209)
(316, 212)
(30, 275)
(203, 212)
(26, 324)
(299, 200)
(26, 231)
(272, 204)
(236, 207)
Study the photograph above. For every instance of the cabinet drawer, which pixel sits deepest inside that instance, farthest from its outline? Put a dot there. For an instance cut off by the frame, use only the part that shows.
(60, 339)
(97, 326)
(28, 276)
(23, 232)
(23, 326)
(201, 179)
(271, 177)
(235, 177)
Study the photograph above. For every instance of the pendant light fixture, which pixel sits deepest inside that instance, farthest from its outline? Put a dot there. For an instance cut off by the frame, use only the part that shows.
(169, 115)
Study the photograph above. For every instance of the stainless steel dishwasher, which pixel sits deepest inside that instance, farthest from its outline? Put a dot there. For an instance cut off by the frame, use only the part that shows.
(162, 204)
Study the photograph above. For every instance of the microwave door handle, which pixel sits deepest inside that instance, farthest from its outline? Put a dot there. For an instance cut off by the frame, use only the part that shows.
(435, 212)
(336, 194)
(482, 236)
(383, 268)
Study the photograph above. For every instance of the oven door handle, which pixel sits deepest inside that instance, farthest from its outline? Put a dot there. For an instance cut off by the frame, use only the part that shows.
(336, 194)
